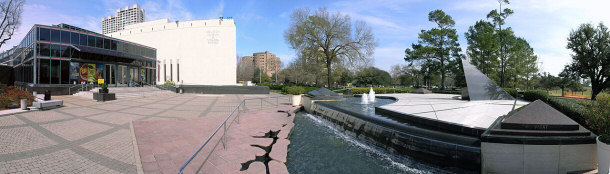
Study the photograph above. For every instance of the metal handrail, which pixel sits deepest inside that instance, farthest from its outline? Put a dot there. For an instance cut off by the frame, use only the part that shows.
(85, 86)
(224, 124)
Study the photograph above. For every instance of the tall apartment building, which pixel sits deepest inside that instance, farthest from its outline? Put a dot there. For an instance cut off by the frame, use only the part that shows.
(266, 61)
(123, 17)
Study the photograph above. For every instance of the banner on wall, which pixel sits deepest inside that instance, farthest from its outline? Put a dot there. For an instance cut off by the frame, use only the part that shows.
(74, 72)
(83, 72)
(143, 75)
(99, 71)
(91, 72)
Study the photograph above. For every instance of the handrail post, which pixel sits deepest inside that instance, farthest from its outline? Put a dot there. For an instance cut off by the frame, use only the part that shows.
(223, 138)
(277, 101)
(238, 106)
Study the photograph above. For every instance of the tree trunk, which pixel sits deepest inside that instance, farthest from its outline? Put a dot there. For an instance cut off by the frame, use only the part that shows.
(595, 89)
(329, 71)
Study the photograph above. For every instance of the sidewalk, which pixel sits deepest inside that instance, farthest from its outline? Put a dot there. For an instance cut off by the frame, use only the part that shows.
(165, 145)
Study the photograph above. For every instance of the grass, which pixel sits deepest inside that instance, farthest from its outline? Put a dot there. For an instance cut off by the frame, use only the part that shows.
(586, 94)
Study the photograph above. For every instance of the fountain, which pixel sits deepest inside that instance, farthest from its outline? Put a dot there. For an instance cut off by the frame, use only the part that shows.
(365, 99)
(371, 96)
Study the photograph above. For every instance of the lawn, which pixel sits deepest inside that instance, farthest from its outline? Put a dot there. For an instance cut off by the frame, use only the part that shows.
(583, 94)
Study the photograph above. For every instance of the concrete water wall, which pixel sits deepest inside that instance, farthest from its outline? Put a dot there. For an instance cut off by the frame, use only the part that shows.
(442, 149)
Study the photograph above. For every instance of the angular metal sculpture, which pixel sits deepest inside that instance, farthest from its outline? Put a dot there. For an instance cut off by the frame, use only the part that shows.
(480, 87)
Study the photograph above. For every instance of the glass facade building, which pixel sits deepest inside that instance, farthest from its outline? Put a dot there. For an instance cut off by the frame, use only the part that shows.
(64, 54)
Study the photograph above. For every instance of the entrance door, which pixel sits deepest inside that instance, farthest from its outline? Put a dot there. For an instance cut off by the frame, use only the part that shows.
(122, 75)
(133, 73)
(110, 74)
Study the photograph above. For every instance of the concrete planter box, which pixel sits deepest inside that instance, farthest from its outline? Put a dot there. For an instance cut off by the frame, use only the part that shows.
(603, 157)
(296, 99)
(104, 96)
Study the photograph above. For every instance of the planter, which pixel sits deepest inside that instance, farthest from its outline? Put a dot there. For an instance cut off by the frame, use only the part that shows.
(104, 96)
(296, 100)
(603, 156)
(104, 91)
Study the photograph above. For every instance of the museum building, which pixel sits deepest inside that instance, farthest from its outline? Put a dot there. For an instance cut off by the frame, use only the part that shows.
(63, 55)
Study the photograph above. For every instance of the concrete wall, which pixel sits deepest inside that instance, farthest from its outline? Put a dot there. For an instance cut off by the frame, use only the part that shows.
(409, 143)
(520, 158)
(205, 49)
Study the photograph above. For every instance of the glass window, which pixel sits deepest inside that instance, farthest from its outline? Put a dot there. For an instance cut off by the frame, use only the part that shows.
(65, 37)
(74, 37)
(91, 41)
(55, 51)
(55, 72)
(99, 42)
(106, 43)
(74, 53)
(44, 49)
(113, 45)
(83, 39)
(55, 36)
(65, 72)
(44, 34)
(43, 66)
(65, 51)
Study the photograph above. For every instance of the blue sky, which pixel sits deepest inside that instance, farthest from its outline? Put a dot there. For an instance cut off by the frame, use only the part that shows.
(261, 24)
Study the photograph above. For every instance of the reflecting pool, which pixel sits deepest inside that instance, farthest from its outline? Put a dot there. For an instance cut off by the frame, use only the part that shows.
(317, 147)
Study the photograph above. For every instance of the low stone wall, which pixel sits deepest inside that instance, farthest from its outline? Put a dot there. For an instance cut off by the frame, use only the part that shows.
(528, 158)
(204, 89)
(443, 149)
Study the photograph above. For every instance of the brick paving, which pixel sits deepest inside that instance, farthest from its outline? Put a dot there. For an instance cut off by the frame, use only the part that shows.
(86, 136)
(164, 145)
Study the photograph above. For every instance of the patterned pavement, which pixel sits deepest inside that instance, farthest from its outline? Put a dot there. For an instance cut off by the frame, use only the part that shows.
(86, 136)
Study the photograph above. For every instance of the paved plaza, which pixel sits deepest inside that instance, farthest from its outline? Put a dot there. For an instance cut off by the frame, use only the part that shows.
(86, 136)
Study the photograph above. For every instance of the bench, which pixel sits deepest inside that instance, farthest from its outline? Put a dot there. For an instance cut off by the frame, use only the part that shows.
(42, 104)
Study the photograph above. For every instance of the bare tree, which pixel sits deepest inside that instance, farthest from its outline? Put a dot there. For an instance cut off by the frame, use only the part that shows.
(11, 18)
(331, 36)
(245, 69)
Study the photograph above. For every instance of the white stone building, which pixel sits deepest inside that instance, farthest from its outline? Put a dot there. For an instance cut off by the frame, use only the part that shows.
(198, 52)
(127, 16)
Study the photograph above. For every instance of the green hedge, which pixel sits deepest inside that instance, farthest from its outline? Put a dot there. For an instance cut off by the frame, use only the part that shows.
(295, 90)
(533, 95)
(446, 91)
(381, 90)
(513, 92)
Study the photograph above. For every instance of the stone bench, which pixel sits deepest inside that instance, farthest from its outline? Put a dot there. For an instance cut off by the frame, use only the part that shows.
(42, 104)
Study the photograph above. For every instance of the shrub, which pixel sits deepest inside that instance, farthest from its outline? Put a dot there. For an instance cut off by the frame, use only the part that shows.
(513, 92)
(295, 90)
(598, 117)
(272, 86)
(446, 91)
(10, 97)
(104, 86)
(533, 95)
(169, 83)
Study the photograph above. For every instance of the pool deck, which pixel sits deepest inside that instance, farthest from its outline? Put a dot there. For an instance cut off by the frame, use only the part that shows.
(449, 108)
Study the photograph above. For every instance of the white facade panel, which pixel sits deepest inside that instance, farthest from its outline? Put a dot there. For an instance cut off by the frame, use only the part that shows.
(204, 49)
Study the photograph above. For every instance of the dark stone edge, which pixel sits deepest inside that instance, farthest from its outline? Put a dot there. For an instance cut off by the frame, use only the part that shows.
(411, 129)
(523, 126)
(488, 137)
(434, 156)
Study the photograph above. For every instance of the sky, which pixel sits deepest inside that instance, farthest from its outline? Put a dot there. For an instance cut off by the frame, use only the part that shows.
(545, 24)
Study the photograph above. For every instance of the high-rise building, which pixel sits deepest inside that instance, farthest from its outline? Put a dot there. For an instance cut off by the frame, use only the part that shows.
(267, 62)
(123, 17)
